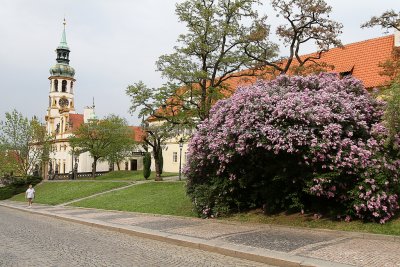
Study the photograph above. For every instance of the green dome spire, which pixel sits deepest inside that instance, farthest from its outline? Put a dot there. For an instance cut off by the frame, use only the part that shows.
(63, 43)
(62, 68)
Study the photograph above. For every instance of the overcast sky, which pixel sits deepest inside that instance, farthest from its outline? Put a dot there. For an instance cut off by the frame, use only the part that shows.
(113, 43)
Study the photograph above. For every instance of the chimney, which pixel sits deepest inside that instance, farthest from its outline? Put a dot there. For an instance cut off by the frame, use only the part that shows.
(396, 38)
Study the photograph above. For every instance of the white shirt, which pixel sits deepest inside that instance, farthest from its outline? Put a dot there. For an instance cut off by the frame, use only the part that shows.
(30, 193)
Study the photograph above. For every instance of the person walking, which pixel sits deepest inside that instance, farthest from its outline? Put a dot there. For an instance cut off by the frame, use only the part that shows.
(30, 195)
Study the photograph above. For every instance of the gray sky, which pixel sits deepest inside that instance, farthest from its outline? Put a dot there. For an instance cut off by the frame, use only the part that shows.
(113, 43)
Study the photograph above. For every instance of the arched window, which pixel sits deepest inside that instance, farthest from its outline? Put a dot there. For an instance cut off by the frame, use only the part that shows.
(64, 86)
(56, 85)
(72, 87)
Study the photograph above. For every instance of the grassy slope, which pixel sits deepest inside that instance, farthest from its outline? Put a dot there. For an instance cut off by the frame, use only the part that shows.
(54, 193)
(160, 198)
(130, 175)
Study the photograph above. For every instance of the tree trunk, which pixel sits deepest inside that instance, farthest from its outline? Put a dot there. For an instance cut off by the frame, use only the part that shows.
(119, 168)
(157, 163)
(94, 165)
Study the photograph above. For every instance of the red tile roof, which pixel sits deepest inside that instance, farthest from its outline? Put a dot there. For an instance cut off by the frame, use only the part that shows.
(362, 58)
(138, 133)
(365, 57)
(75, 120)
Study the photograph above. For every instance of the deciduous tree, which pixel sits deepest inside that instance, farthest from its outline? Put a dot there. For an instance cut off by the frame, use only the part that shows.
(206, 57)
(102, 138)
(305, 21)
(228, 40)
(156, 134)
(24, 143)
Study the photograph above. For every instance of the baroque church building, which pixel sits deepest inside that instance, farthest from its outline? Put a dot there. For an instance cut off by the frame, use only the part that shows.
(61, 121)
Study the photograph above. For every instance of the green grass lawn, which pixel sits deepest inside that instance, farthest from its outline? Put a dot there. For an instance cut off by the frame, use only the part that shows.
(155, 197)
(130, 175)
(54, 193)
(170, 198)
(307, 220)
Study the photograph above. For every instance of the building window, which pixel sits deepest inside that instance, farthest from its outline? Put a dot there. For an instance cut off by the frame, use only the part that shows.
(175, 157)
(126, 165)
(64, 86)
(72, 87)
(56, 85)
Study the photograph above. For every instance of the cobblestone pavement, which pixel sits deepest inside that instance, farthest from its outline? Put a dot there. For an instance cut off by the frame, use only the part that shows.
(321, 248)
(33, 240)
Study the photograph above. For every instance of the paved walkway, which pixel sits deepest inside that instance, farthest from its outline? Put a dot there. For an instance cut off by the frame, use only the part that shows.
(39, 241)
(275, 245)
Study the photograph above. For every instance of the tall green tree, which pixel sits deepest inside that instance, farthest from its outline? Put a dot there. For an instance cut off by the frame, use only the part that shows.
(304, 21)
(227, 40)
(103, 138)
(8, 162)
(121, 149)
(209, 55)
(24, 143)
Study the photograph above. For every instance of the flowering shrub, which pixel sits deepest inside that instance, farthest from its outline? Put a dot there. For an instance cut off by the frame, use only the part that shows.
(285, 143)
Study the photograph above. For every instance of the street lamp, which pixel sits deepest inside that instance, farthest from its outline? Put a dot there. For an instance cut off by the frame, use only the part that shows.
(180, 158)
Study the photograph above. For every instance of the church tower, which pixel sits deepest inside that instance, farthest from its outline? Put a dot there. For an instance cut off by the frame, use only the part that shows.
(61, 95)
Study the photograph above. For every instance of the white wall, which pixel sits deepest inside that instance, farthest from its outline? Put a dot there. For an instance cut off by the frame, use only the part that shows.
(169, 164)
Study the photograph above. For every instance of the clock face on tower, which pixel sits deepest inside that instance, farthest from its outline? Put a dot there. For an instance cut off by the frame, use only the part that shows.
(63, 102)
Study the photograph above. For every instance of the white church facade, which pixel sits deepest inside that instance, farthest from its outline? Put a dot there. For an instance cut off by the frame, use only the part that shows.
(62, 119)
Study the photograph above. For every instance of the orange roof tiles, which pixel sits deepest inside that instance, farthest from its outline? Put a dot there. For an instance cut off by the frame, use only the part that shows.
(365, 57)
(138, 133)
(75, 120)
(362, 58)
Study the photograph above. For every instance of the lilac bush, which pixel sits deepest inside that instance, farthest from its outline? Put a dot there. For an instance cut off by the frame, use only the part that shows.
(291, 142)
